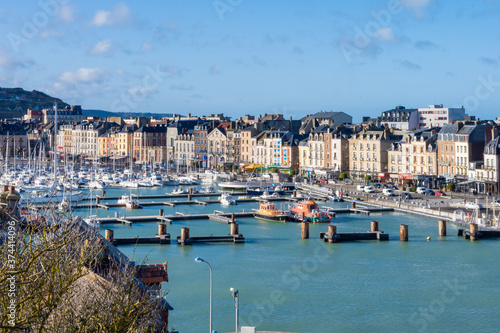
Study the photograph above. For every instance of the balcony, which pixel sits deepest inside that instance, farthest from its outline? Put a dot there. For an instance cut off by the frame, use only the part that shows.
(444, 163)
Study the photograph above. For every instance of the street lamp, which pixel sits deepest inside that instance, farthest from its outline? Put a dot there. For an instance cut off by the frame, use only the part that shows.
(198, 259)
(236, 297)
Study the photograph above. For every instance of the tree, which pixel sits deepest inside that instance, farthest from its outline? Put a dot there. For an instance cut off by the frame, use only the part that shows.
(343, 175)
(64, 281)
(368, 177)
(450, 187)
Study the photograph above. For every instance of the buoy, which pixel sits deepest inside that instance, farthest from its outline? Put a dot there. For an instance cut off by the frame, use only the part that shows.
(428, 238)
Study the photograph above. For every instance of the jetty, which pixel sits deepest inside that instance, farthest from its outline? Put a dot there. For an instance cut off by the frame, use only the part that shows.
(129, 220)
(373, 234)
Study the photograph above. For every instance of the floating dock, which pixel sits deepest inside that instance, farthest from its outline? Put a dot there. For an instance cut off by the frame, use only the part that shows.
(333, 237)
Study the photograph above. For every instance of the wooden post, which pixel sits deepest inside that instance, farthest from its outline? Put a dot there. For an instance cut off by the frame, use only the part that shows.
(232, 217)
(97, 200)
(184, 233)
(473, 232)
(353, 205)
(162, 229)
(189, 197)
(374, 226)
(294, 194)
(403, 232)
(234, 228)
(109, 235)
(191, 190)
(332, 231)
(161, 212)
(442, 228)
(305, 230)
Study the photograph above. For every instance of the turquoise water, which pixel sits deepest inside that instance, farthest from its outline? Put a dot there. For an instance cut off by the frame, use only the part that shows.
(294, 285)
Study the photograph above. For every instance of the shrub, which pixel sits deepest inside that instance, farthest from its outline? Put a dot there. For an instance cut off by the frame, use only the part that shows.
(343, 175)
(413, 189)
(450, 186)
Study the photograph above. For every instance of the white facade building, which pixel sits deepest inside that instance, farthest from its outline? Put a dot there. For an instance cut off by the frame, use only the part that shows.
(437, 116)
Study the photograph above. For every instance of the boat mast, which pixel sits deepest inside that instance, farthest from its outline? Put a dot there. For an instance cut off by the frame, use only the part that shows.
(55, 146)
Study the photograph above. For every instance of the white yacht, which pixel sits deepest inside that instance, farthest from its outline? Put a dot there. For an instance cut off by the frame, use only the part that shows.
(226, 199)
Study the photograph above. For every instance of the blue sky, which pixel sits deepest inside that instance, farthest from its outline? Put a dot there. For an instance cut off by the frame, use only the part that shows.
(253, 57)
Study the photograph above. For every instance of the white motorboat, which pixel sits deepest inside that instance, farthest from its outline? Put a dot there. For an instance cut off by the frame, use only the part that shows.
(97, 184)
(207, 190)
(132, 203)
(92, 221)
(145, 183)
(180, 191)
(124, 199)
(226, 199)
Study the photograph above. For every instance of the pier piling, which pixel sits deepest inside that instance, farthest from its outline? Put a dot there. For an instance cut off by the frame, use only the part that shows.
(473, 232)
(374, 226)
(353, 205)
(232, 217)
(442, 228)
(234, 228)
(161, 212)
(403, 232)
(162, 229)
(332, 230)
(109, 235)
(305, 230)
(184, 234)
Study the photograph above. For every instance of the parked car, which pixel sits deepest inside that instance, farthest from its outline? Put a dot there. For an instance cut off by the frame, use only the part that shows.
(429, 192)
(360, 187)
(388, 192)
(439, 193)
(406, 195)
(421, 190)
(496, 203)
(472, 205)
(368, 189)
(394, 187)
(331, 181)
(377, 185)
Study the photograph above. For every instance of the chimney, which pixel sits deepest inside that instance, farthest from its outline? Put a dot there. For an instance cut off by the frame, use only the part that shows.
(12, 189)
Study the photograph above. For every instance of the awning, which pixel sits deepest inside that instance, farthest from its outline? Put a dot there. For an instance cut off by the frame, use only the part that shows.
(253, 166)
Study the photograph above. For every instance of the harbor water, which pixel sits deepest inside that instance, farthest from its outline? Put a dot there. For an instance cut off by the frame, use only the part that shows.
(292, 285)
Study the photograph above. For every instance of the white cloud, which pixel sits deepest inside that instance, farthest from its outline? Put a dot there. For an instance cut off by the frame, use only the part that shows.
(145, 47)
(102, 47)
(385, 35)
(83, 75)
(118, 15)
(416, 6)
(67, 13)
(141, 92)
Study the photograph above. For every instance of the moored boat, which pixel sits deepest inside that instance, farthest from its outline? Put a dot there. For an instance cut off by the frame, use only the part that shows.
(308, 211)
(227, 199)
(268, 211)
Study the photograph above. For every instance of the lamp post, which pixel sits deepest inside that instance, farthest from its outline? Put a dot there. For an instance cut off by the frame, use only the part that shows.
(198, 259)
(236, 297)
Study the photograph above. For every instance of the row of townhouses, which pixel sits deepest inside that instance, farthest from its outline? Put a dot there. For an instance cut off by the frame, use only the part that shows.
(431, 146)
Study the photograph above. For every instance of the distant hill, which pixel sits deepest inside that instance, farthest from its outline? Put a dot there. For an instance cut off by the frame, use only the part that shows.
(104, 114)
(14, 102)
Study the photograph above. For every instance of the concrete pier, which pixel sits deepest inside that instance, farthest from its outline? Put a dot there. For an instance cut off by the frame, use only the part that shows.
(333, 237)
